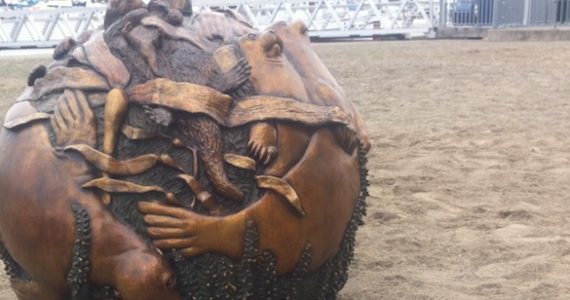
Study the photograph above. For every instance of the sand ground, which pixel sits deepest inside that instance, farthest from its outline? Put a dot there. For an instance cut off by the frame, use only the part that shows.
(469, 171)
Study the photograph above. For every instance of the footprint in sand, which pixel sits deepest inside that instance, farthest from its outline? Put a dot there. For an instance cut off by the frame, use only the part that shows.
(518, 215)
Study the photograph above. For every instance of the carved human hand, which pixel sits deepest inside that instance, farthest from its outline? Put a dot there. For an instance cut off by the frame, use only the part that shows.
(73, 121)
(179, 228)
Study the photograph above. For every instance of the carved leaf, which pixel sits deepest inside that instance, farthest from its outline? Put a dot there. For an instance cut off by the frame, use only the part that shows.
(282, 187)
(240, 161)
(13, 124)
(68, 78)
(183, 96)
(120, 186)
(96, 53)
(112, 166)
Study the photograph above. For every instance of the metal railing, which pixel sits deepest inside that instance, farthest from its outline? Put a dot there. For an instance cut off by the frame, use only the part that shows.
(337, 18)
(325, 19)
(503, 13)
(46, 28)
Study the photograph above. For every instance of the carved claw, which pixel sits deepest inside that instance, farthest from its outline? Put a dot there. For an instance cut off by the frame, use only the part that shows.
(242, 71)
(237, 76)
(159, 115)
(346, 138)
(262, 143)
(264, 155)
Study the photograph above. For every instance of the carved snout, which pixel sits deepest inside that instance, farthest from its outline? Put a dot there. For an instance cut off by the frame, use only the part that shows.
(272, 43)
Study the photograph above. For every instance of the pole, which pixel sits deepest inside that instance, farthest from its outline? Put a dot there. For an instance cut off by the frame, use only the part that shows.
(526, 17)
(443, 13)
(431, 13)
(496, 6)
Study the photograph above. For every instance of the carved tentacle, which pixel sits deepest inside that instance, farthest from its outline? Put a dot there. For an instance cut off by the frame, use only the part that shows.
(205, 134)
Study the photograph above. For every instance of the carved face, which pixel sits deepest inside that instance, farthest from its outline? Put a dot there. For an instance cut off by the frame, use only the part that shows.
(223, 27)
(297, 50)
(297, 31)
(264, 45)
(271, 72)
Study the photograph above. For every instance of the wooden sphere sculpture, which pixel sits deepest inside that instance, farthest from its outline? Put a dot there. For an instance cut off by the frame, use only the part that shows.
(164, 158)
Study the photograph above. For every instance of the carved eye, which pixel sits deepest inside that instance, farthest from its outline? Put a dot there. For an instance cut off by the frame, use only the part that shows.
(303, 30)
(251, 36)
(300, 27)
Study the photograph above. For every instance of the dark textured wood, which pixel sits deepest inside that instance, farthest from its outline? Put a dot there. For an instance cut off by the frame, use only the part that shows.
(96, 54)
(36, 221)
(68, 78)
(327, 202)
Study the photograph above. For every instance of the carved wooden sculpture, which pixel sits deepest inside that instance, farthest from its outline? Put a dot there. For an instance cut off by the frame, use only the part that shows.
(156, 161)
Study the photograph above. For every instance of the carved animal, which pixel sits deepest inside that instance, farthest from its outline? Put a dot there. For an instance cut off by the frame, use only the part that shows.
(264, 53)
(58, 229)
(328, 201)
(187, 62)
(41, 240)
(222, 27)
(118, 8)
(321, 86)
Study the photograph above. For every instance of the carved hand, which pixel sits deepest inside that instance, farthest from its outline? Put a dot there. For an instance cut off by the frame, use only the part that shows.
(73, 120)
(179, 228)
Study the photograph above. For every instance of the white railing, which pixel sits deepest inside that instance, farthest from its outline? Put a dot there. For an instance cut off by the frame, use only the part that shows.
(46, 28)
(325, 19)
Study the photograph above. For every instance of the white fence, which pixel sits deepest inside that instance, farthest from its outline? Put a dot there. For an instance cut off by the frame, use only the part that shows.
(46, 28)
(325, 19)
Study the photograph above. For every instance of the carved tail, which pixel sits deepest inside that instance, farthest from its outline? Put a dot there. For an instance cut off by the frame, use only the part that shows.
(205, 134)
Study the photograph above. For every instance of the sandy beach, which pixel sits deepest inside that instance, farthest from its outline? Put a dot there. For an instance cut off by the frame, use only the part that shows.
(469, 170)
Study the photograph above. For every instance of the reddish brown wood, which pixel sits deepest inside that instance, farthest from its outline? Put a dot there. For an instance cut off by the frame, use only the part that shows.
(150, 122)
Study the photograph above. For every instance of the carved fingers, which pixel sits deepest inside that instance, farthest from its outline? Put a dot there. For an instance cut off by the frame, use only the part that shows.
(158, 209)
(166, 232)
(176, 228)
(73, 120)
(163, 221)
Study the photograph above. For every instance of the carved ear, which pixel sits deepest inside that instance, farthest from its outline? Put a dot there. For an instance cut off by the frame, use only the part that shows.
(166, 10)
(184, 6)
(300, 27)
(238, 17)
(118, 8)
(127, 22)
